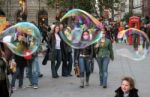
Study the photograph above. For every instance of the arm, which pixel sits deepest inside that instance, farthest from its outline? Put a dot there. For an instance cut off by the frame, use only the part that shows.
(110, 47)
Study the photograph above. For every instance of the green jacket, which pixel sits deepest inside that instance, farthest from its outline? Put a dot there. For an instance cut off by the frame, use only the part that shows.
(106, 50)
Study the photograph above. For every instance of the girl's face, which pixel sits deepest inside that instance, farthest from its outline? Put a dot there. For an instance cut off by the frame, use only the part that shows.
(125, 86)
(85, 35)
(21, 37)
(57, 29)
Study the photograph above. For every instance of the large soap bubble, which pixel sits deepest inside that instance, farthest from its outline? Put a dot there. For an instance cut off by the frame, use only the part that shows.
(23, 39)
(76, 22)
(135, 44)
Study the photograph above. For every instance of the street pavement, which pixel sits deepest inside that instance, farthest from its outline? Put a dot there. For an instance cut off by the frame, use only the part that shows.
(69, 86)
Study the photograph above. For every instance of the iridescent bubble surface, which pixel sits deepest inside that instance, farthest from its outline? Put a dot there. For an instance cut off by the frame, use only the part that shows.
(22, 39)
(76, 22)
(134, 44)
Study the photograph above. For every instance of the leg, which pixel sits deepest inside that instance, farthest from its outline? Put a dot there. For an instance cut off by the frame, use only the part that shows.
(69, 63)
(82, 70)
(105, 70)
(88, 70)
(21, 76)
(58, 59)
(53, 70)
(14, 77)
(35, 71)
(99, 61)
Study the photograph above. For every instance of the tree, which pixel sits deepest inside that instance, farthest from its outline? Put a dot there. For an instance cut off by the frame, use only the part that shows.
(71, 4)
(109, 4)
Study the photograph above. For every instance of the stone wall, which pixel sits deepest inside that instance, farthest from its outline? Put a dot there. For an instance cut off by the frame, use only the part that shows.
(10, 7)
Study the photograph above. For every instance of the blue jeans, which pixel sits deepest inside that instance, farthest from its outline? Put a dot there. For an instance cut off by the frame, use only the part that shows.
(103, 69)
(33, 71)
(84, 65)
(55, 66)
(20, 74)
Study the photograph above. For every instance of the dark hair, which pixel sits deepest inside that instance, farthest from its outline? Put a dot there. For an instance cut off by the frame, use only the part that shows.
(55, 28)
(130, 80)
(83, 33)
(53, 31)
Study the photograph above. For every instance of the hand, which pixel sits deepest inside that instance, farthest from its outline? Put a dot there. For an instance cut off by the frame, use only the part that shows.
(97, 45)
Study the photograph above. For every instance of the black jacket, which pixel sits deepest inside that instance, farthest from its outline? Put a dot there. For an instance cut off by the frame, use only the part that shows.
(132, 93)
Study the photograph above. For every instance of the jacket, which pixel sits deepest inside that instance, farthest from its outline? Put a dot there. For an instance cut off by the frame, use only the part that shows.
(132, 93)
(51, 46)
(106, 50)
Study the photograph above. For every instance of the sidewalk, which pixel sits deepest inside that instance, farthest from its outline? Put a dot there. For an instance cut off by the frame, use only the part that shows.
(69, 86)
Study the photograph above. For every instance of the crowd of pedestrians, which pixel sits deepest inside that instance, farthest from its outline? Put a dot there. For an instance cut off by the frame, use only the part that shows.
(61, 54)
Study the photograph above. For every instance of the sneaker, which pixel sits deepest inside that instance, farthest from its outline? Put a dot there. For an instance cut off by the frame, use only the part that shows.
(35, 87)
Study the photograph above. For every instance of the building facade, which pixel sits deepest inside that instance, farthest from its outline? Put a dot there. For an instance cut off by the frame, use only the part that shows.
(146, 8)
(34, 7)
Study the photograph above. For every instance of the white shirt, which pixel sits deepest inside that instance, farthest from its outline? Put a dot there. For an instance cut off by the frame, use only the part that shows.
(126, 95)
(58, 40)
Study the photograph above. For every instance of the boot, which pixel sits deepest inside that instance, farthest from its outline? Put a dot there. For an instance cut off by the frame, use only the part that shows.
(87, 80)
(82, 82)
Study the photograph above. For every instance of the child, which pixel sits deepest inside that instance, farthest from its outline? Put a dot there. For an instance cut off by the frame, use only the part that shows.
(127, 88)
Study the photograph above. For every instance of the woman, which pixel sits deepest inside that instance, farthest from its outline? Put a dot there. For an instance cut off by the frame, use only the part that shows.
(127, 88)
(84, 57)
(4, 81)
(55, 47)
(104, 53)
(20, 61)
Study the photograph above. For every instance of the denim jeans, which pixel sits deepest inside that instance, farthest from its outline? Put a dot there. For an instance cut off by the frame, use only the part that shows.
(20, 74)
(55, 66)
(84, 65)
(103, 69)
(67, 64)
(33, 71)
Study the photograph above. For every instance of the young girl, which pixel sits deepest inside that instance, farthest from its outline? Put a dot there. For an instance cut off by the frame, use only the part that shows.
(127, 88)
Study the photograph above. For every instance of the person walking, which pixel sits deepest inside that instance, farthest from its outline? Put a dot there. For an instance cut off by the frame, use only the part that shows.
(104, 52)
(55, 47)
(84, 58)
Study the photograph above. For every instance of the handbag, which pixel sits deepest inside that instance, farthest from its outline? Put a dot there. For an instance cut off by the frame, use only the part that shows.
(27, 54)
(77, 70)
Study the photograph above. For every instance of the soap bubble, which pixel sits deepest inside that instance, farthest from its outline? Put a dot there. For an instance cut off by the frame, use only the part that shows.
(23, 39)
(76, 22)
(135, 44)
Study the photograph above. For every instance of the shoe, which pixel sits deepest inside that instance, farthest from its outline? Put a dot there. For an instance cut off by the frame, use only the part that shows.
(55, 76)
(40, 75)
(70, 75)
(104, 86)
(65, 75)
(35, 87)
(81, 86)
